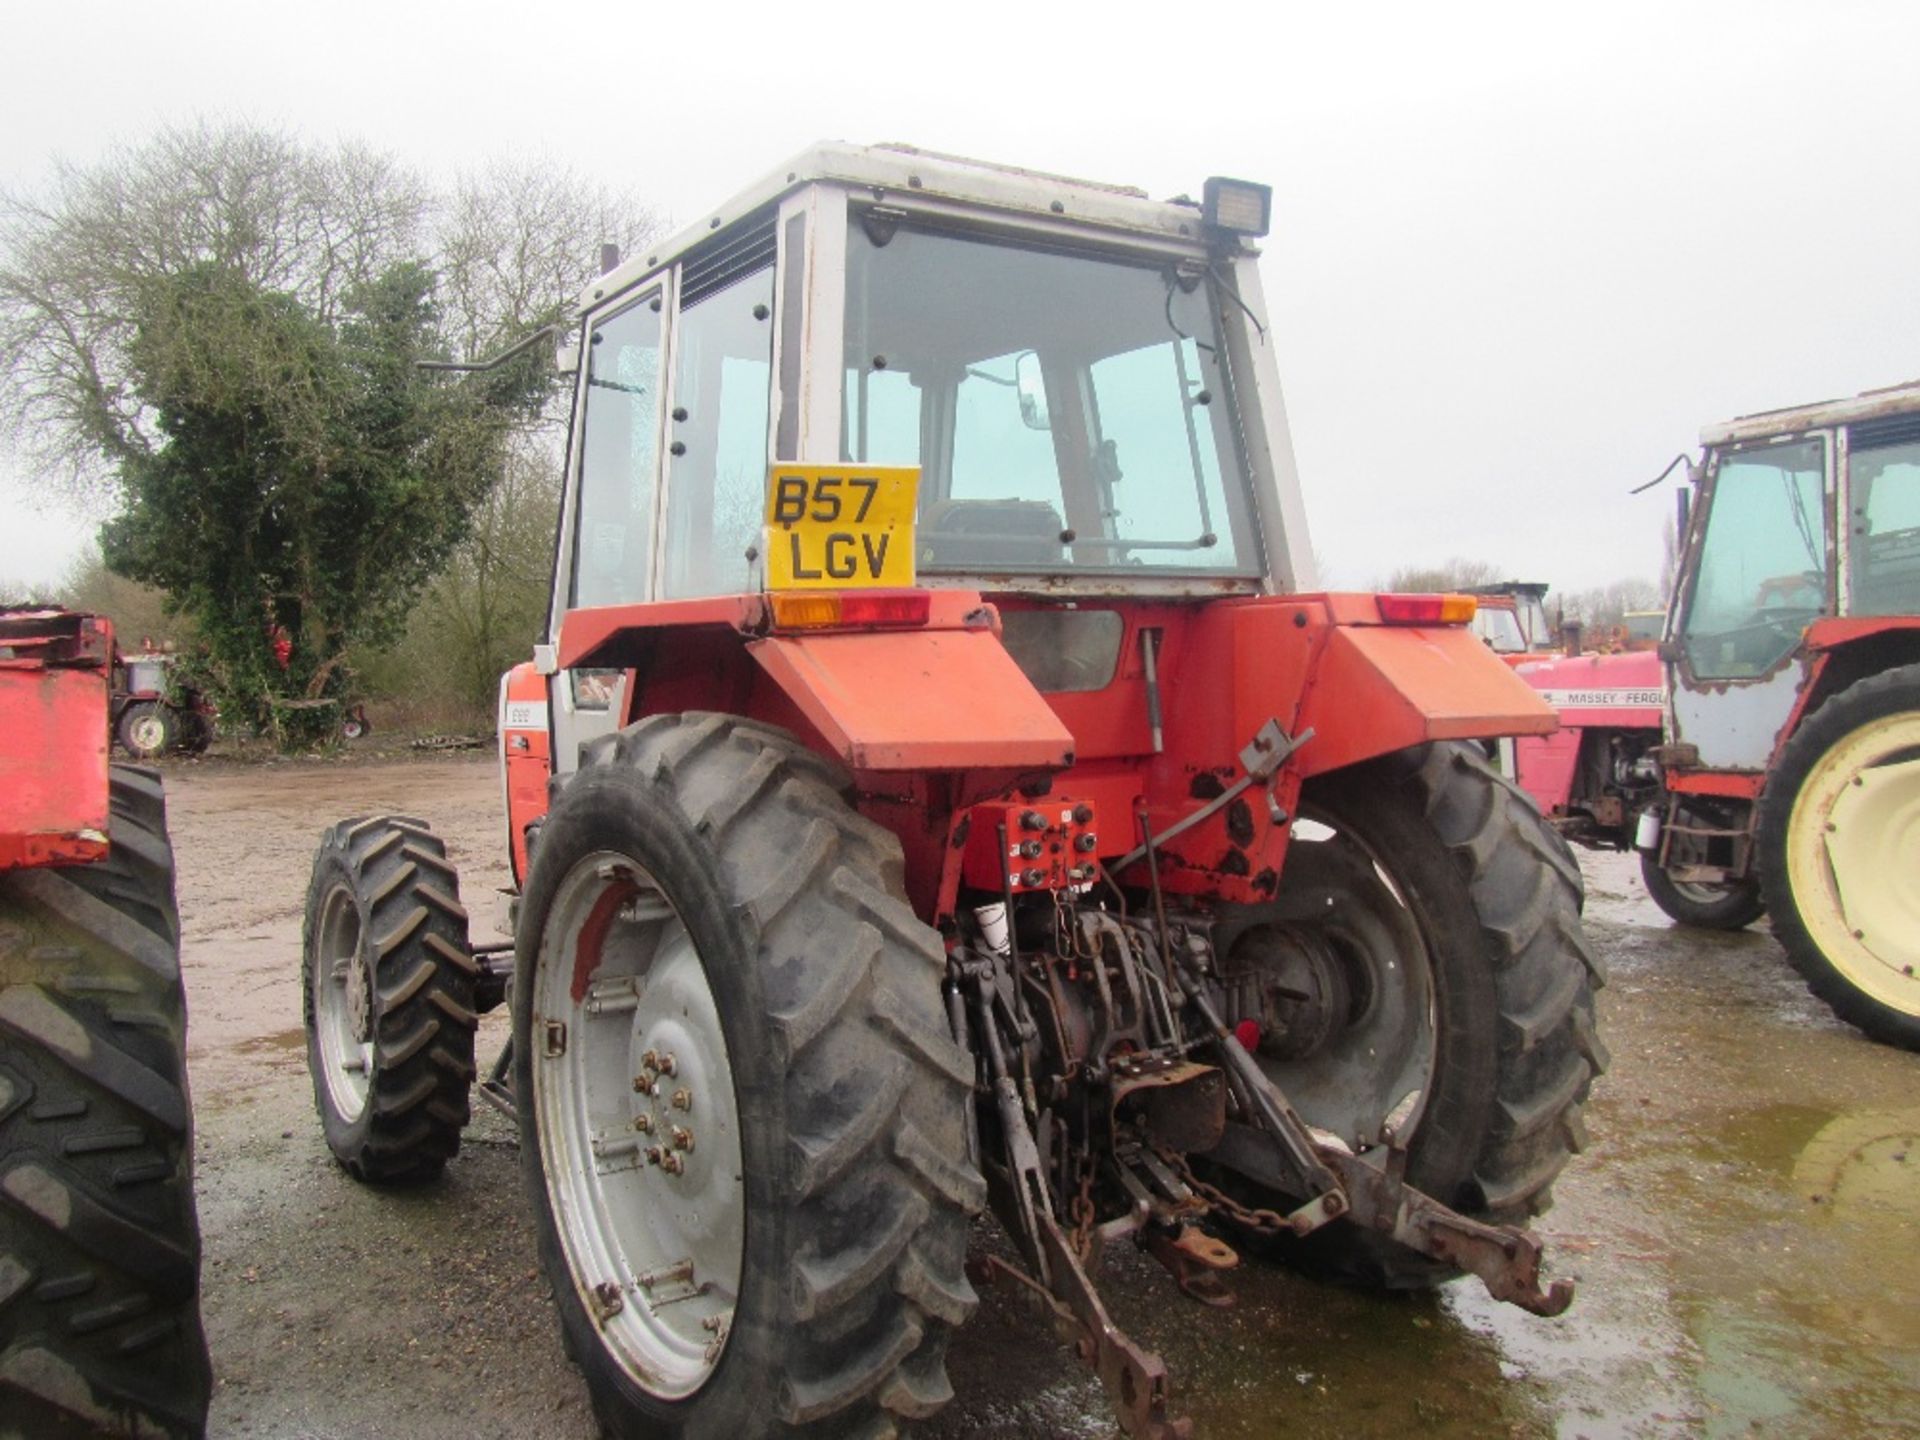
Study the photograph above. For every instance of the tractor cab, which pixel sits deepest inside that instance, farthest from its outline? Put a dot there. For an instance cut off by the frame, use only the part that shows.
(1784, 774)
(1073, 383)
(1804, 533)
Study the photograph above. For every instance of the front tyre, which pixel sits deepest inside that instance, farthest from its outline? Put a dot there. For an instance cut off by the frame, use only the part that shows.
(148, 729)
(389, 999)
(1732, 906)
(1436, 990)
(1839, 828)
(742, 1116)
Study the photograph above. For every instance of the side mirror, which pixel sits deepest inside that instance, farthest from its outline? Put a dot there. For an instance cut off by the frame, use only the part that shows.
(566, 356)
(1031, 386)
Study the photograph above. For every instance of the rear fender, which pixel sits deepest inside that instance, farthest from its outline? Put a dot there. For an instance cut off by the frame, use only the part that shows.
(943, 697)
(1380, 688)
(1323, 662)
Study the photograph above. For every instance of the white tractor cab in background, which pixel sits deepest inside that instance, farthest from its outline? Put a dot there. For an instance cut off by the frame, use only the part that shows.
(1785, 772)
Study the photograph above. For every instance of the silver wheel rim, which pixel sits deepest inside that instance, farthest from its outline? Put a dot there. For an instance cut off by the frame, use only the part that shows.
(1370, 1082)
(639, 1129)
(343, 1010)
(149, 733)
(1695, 893)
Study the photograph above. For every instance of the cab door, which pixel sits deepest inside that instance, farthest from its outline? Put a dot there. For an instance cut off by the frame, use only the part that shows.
(1762, 568)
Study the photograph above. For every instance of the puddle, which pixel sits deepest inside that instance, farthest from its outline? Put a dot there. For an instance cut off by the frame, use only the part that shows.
(283, 1042)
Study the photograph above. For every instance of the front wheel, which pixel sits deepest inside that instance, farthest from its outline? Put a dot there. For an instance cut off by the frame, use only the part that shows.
(148, 729)
(742, 1116)
(1732, 906)
(389, 998)
(1839, 831)
(1430, 986)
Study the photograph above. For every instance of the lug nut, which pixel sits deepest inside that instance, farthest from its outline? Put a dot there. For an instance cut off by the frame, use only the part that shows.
(650, 1061)
(668, 1066)
(683, 1099)
(672, 1163)
(682, 1138)
(643, 1082)
(654, 1154)
(643, 1122)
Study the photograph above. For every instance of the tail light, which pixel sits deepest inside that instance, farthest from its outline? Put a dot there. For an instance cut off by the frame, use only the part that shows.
(1427, 609)
(849, 609)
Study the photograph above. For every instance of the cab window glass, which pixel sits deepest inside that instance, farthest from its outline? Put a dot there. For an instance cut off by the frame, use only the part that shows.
(716, 496)
(1150, 421)
(881, 418)
(1066, 409)
(613, 536)
(997, 455)
(1884, 530)
(1763, 565)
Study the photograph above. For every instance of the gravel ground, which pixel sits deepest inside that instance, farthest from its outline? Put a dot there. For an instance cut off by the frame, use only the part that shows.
(1743, 1224)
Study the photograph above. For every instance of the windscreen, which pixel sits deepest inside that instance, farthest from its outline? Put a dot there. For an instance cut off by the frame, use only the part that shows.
(1068, 411)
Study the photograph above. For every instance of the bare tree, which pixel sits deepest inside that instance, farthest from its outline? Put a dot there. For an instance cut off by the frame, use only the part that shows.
(517, 241)
(228, 311)
(1456, 573)
(78, 260)
(510, 246)
(1604, 606)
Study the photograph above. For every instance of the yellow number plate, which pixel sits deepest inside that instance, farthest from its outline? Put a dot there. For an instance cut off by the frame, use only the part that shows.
(837, 527)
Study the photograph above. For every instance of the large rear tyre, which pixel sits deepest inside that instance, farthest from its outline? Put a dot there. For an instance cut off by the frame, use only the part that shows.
(1839, 831)
(1732, 906)
(742, 1116)
(388, 982)
(99, 1242)
(1439, 992)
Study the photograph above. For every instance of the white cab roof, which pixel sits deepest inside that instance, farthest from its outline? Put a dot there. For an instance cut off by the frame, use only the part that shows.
(903, 171)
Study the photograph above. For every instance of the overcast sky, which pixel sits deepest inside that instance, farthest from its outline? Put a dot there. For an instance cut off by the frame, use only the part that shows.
(1521, 254)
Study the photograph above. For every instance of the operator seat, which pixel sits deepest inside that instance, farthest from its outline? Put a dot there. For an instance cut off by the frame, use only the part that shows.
(963, 534)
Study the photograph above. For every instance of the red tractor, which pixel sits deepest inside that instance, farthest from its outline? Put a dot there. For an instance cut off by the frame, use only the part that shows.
(1768, 756)
(941, 785)
(151, 714)
(99, 1245)
(1511, 616)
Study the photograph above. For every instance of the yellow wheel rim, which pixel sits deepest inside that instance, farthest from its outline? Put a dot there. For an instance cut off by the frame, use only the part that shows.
(1853, 859)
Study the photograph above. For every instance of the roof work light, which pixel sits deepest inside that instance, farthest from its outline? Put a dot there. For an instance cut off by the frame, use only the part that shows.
(1238, 206)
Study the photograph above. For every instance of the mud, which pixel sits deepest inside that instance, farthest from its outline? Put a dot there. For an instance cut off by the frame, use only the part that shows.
(1743, 1225)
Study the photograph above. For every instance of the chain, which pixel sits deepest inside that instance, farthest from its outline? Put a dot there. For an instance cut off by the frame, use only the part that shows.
(1267, 1222)
(1082, 1212)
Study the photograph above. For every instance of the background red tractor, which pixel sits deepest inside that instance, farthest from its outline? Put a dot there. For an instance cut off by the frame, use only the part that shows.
(941, 785)
(1768, 756)
(151, 713)
(99, 1246)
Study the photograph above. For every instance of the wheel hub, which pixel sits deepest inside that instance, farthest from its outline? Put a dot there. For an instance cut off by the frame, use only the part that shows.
(1347, 990)
(1307, 991)
(639, 1130)
(358, 984)
(343, 1003)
